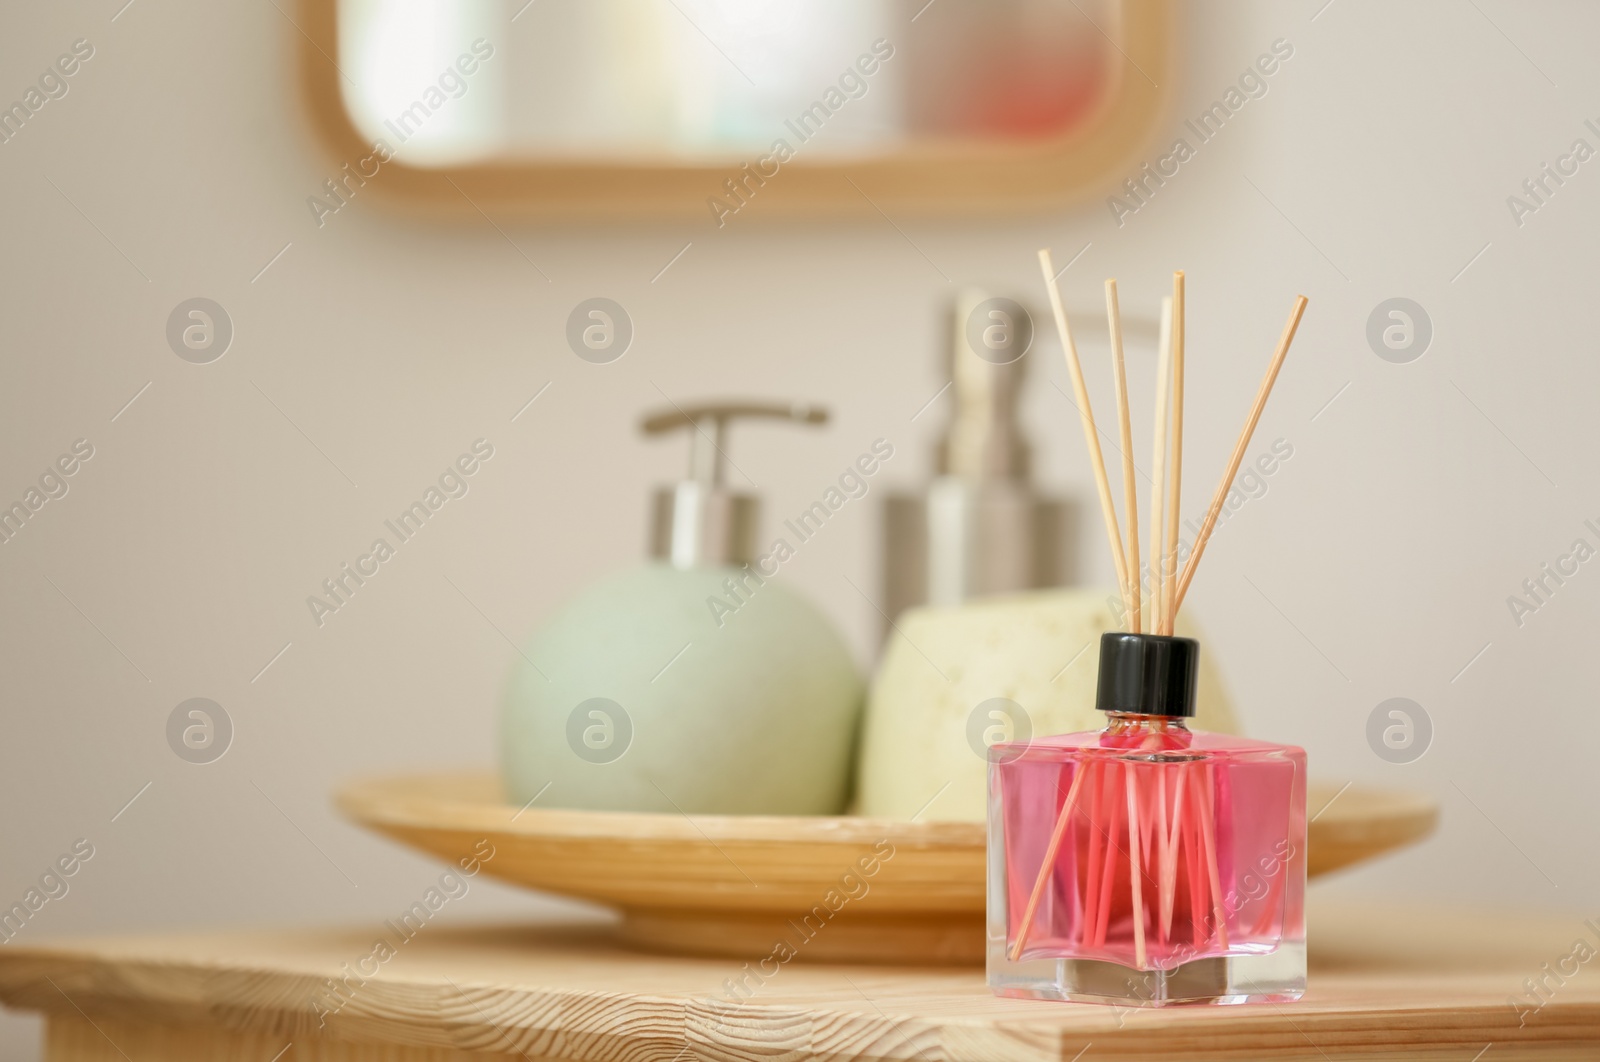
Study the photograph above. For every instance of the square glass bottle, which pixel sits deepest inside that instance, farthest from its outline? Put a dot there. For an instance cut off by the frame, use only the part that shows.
(1147, 864)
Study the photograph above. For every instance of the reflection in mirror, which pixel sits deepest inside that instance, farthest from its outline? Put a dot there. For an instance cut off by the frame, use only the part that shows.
(451, 82)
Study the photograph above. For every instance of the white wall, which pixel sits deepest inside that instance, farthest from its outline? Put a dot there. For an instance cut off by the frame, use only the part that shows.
(1377, 165)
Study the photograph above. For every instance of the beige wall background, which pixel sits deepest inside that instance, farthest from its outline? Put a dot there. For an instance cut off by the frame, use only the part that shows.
(1378, 565)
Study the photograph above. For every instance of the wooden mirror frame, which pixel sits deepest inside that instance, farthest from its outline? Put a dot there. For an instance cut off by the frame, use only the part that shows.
(939, 179)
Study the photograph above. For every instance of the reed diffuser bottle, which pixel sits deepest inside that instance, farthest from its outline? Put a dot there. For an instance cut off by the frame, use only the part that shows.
(1147, 864)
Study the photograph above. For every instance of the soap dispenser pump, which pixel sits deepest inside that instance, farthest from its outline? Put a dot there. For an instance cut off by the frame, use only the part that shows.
(699, 521)
(981, 527)
(694, 683)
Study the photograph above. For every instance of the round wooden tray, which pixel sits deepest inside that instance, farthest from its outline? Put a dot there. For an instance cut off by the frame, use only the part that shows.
(737, 884)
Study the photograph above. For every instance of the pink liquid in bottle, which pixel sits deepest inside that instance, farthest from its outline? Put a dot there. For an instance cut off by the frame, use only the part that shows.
(1147, 864)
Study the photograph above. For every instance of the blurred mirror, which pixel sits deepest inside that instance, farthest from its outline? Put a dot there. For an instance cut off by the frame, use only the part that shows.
(451, 83)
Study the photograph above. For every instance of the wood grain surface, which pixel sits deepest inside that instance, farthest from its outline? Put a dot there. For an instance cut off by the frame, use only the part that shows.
(720, 884)
(1384, 984)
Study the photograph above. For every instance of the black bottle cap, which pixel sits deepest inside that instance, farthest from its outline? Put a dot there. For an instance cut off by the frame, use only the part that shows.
(1148, 674)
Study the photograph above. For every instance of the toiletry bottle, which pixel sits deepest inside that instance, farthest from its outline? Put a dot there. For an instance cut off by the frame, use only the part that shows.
(980, 527)
(697, 683)
(1147, 864)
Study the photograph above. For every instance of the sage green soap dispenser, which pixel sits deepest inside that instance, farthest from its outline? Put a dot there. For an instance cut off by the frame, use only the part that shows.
(695, 683)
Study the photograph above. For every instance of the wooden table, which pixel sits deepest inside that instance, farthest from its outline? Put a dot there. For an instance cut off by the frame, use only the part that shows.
(1383, 985)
